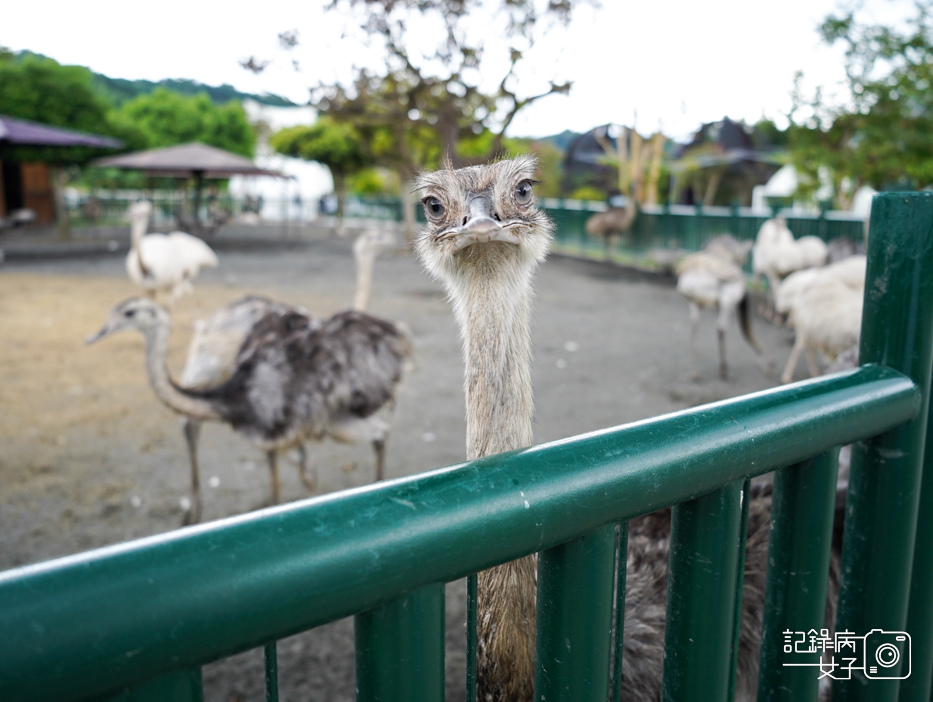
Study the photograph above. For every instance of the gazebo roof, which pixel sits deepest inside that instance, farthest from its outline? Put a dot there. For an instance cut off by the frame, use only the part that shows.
(186, 160)
(19, 132)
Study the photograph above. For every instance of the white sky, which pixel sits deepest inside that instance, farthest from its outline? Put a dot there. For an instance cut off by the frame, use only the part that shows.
(674, 64)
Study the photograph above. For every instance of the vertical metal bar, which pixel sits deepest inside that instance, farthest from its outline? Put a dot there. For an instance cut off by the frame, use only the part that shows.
(400, 649)
(272, 672)
(920, 611)
(619, 639)
(798, 563)
(884, 486)
(739, 583)
(471, 639)
(573, 625)
(179, 686)
(701, 596)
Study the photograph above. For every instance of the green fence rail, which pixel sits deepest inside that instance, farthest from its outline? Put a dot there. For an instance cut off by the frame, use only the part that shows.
(684, 228)
(137, 620)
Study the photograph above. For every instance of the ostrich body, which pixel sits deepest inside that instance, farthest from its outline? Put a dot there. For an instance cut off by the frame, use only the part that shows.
(294, 380)
(776, 253)
(824, 305)
(483, 240)
(164, 262)
(612, 223)
(713, 279)
(211, 360)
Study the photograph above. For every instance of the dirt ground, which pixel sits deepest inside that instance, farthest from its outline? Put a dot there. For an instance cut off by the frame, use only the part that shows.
(89, 457)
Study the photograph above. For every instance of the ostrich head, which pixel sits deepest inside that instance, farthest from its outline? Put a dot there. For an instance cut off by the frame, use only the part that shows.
(140, 211)
(136, 313)
(482, 217)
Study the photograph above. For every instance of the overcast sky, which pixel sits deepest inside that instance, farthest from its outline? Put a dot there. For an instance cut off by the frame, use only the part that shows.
(673, 64)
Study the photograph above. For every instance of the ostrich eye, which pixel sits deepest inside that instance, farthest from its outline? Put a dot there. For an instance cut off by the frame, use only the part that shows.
(129, 313)
(523, 193)
(433, 208)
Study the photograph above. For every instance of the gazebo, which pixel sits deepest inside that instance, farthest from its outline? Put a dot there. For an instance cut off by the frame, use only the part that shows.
(197, 161)
(26, 184)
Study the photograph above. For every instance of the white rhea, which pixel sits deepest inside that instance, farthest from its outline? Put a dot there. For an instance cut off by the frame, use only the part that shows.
(713, 278)
(164, 263)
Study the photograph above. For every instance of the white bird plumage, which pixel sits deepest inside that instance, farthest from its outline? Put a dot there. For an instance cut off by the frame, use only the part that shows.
(164, 263)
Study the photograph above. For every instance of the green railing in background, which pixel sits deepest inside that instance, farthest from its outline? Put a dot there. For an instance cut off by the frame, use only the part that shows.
(136, 621)
(682, 228)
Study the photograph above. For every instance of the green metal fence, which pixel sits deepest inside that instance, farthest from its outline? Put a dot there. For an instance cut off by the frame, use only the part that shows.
(684, 228)
(136, 621)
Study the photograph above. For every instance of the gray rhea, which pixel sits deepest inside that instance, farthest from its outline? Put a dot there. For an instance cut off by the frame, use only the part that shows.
(483, 240)
(211, 360)
(293, 380)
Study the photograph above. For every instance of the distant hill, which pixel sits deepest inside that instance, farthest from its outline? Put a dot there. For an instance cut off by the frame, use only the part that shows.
(121, 90)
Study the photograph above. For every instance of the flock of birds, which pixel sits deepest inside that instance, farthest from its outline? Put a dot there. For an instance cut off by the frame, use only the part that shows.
(277, 375)
(280, 377)
(815, 289)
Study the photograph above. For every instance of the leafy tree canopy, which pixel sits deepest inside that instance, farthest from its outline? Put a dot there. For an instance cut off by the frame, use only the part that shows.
(163, 118)
(882, 135)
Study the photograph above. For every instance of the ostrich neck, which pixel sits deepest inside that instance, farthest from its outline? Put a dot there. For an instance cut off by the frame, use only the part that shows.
(178, 399)
(497, 347)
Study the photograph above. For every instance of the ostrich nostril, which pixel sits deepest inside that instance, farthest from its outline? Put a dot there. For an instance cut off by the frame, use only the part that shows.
(495, 216)
(465, 221)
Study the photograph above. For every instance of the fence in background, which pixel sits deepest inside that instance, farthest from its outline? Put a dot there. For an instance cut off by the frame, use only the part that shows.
(137, 620)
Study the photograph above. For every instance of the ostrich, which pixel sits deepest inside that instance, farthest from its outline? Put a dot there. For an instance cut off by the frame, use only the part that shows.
(211, 360)
(776, 254)
(164, 262)
(367, 246)
(484, 239)
(294, 379)
(613, 222)
(824, 305)
(713, 279)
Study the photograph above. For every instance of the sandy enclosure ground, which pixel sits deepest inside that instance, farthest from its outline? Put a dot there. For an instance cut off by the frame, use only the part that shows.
(89, 457)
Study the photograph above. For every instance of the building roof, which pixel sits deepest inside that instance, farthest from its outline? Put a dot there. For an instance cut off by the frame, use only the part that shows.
(19, 132)
(186, 160)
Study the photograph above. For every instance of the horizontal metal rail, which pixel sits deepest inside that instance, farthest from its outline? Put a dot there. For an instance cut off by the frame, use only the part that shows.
(90, 624)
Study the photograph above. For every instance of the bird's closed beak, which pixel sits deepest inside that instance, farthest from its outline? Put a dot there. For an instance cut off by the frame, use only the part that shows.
(104, 331)
(480, 227)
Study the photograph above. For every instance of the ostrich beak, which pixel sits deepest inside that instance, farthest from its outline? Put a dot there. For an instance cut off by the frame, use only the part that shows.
(480, 227)
(105, 330)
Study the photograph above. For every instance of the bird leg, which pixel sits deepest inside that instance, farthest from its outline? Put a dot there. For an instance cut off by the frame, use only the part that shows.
(811, 361)
(723, 368)
(273, 457)
(306, 469)
(694, 328)
(192, 430)
(799, 345)
(379, 446)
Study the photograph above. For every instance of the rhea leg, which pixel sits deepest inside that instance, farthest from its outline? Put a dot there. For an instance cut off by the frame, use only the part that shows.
(788, 373)
(306, 469)
(694, 327)
(192, 430)
(811, 361)
(273, 457)
(379, 446)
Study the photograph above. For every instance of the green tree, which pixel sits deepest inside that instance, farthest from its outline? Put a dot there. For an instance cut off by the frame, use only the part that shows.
(337, 145)
(883, 134)
(164, 118)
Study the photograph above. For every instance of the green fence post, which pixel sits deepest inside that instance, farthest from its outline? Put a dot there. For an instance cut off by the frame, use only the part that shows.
(400, 649)
(574, 619)
(619, 628)
(884, 487)
(802, 513)
(916, 688)
(701, 596)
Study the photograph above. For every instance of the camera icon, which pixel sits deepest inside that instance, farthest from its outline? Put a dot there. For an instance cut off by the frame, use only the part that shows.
(884, 650)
